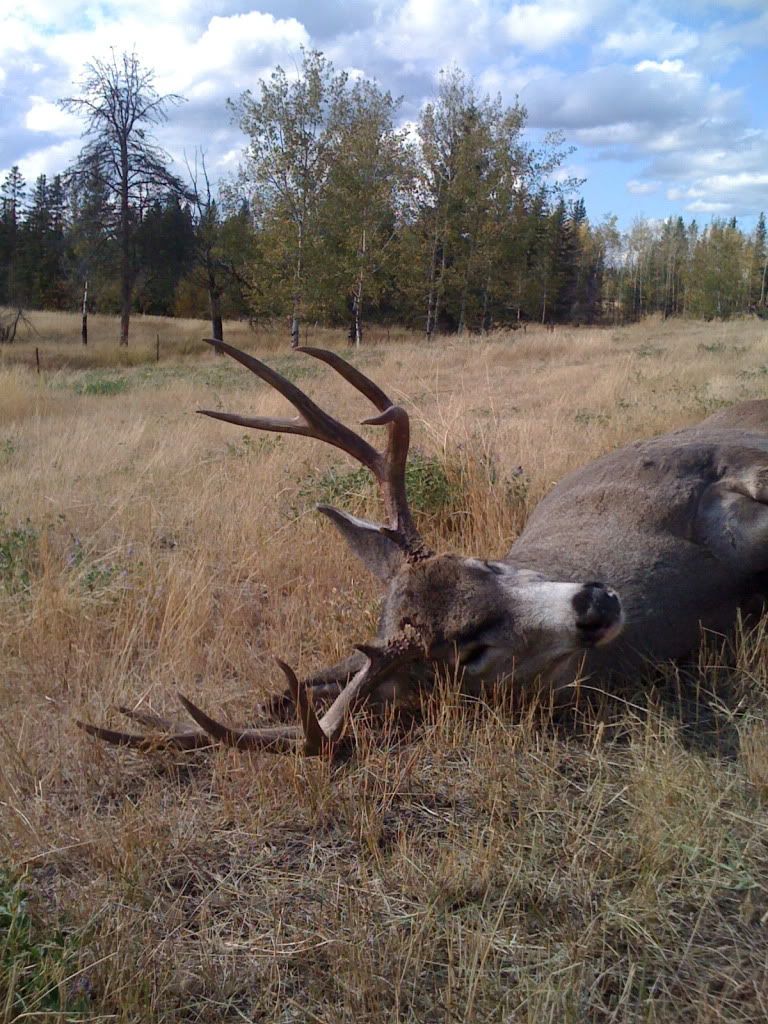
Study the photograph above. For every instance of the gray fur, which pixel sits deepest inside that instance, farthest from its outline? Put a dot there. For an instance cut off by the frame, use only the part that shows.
(676, 525)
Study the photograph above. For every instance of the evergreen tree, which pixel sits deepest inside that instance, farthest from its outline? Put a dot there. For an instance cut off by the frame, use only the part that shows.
(12, 193)
(759, 266)
(94, 245)
(165, 252)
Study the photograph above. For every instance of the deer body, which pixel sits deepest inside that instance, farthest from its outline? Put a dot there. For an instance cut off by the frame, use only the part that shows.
(679, 527)
(619, 566)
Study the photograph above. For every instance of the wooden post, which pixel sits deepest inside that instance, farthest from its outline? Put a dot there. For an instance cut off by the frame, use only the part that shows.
(37, 358)
(85, 314)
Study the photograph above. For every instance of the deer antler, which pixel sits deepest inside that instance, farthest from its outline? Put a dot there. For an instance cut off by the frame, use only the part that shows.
(387, 467)
(319, 735)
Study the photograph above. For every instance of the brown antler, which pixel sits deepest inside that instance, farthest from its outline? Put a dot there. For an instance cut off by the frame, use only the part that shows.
(387, 467)
(319, 735)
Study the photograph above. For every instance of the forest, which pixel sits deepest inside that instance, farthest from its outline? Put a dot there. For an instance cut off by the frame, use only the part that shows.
(340, 215)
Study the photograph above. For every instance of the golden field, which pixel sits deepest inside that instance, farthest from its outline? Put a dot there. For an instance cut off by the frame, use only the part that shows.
(607, 865)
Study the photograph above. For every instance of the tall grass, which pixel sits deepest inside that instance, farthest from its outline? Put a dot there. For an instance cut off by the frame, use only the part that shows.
(607, 865)
(57, 338)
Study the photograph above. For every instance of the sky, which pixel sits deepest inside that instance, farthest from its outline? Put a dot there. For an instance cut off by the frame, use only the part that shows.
(664, 102)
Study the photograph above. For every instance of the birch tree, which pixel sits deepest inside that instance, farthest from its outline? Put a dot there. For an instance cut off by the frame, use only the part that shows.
(293, 127)
(368, 185)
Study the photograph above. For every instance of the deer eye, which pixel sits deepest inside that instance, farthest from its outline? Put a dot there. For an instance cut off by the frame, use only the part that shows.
(495, 568)
(476, 657)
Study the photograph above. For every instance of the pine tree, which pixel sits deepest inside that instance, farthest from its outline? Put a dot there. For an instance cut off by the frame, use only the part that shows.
(12, 193)
(759, 267)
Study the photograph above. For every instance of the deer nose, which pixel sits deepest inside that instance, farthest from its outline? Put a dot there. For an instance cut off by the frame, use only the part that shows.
(598, 614)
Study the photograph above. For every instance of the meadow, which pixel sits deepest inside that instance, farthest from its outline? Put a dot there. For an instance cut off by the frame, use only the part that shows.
(608, 864)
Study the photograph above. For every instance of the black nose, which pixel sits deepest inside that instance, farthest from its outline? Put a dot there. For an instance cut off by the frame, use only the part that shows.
(598, 611)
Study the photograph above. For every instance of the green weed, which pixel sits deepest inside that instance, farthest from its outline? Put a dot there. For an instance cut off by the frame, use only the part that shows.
(585, 417)
(432, 489)
(37, 967)
(251, 444)
(18, 554)
(8, 448)
(101, 384)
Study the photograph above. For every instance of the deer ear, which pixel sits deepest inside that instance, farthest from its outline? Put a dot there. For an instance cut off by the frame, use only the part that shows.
(379, 553)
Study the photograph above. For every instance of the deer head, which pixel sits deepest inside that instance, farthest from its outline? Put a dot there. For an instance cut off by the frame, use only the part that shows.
(486, 620)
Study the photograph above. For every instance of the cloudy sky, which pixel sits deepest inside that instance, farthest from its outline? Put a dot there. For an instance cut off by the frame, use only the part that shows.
(665, 102)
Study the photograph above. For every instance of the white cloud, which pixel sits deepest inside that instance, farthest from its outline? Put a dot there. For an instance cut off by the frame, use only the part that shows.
(49, 160)
(708, 206)
(433, 31)
(744, 179)
(540, 26)
(227, 42)
(44, 116)
(645, 32)
(665, 67)
(642, 188)
(617, 104)
(733, 191)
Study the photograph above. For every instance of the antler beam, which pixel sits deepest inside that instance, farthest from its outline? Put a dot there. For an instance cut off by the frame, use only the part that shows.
(315, 735)
(387, 467)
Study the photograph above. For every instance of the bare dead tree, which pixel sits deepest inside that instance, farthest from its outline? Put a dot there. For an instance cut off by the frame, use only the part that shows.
(217, 268)
(119, 103)
(9, 324)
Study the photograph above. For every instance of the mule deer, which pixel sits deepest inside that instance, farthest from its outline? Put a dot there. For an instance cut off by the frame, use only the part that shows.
(675, 529)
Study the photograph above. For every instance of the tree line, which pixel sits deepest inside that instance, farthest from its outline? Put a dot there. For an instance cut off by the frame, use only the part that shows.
(338, 214)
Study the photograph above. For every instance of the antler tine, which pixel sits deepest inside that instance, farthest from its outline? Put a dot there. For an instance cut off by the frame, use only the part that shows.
(314, 737)
(312, 421)
(352, 375)
(186, 739)
(276, 739)
(393, 463)
(387, 467)
(319, 735)
(380, 661)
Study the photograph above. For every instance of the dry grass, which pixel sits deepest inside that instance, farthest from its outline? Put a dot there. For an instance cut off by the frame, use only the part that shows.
(609, 867)
(57, 338)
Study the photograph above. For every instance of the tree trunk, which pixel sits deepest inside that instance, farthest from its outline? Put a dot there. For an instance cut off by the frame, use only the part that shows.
(356, 332)
(438, 293)
(126, 282)
(297, 292)
(485, 320)
(430, 325)
(432, 293)
(214, 301)
(465, 286)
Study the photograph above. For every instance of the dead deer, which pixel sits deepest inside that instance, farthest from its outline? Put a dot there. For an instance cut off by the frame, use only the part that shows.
(675, 529)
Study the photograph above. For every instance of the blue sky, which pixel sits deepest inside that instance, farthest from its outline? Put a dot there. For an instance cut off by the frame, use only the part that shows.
(664, 102)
